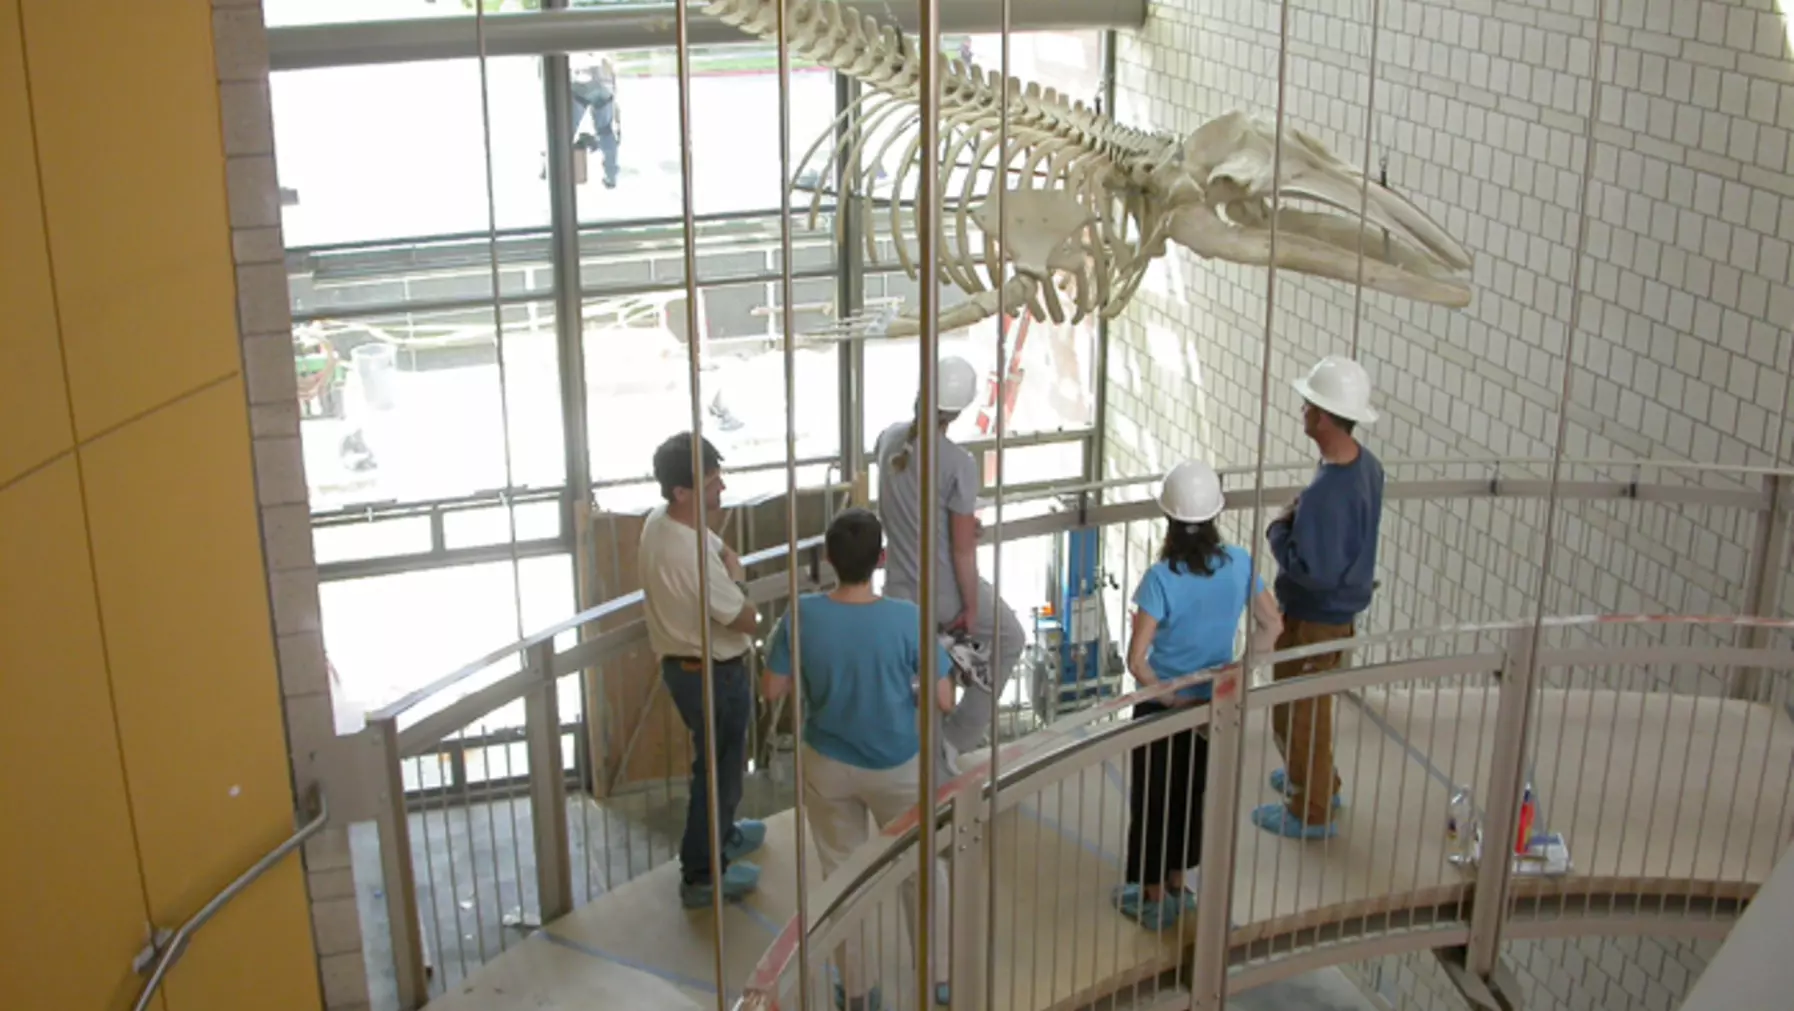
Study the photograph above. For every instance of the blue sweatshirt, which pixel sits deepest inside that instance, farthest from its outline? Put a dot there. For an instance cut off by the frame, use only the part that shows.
(1328, 552)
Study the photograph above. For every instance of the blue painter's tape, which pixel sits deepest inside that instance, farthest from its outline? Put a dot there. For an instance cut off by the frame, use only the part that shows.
(761, 919)
(669, 975)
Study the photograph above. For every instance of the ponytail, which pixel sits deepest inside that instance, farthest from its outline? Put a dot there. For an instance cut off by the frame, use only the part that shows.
(900, 462)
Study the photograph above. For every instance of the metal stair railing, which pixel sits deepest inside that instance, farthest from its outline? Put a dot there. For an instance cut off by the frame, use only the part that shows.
(166, 948)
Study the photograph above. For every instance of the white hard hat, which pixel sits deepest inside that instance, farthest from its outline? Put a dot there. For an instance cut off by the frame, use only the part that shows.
(956, 384)
(1338, 386)
(1191, 493)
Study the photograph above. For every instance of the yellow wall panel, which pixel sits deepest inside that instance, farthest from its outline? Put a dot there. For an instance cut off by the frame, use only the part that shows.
(68, 866)
(257, 955)
(177, 553)
(34, 410)
(131, 152)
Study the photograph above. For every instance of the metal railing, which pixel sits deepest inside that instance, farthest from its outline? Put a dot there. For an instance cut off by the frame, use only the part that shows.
(166, 948)
(467, 747)
(1434, 709)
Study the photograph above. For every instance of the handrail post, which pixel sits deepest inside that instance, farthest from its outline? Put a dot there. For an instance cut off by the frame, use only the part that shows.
(1507, 773)
(1220, 834)
(547, 787)
(970, 876)
(399, 879)
(1765, 586)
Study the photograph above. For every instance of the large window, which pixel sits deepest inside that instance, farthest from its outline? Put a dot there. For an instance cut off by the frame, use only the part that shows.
(442, 452)
(389, 635)
(422, 405)
(379, 152)
(734, 128)
(638, 374)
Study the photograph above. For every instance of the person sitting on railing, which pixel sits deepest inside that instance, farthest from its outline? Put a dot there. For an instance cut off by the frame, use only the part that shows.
(856, 658)
(965, 605)
(1325, 543)
(667, 563)
(1187, 617)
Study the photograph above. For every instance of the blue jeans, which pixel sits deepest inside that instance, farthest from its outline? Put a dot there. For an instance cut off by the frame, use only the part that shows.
(734, 708)
(604, 131)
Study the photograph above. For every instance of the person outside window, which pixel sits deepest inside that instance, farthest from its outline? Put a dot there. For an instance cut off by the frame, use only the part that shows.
(595, 94)
(1188, 611)
(1325, 543)
(965, 607)
(667, 562)
(860, 653)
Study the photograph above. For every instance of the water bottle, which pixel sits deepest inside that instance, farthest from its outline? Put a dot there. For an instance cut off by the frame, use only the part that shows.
(1460, 828)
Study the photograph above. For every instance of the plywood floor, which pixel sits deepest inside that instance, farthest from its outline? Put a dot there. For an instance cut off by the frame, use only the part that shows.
(1644, 787)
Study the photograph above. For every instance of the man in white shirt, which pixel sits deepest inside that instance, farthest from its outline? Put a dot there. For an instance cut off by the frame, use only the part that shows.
(677, 629)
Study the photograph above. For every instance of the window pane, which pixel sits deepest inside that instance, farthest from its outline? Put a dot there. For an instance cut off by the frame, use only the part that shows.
(408, 407)
(384, 151)
(638, 378)
(341, 542)
(389, 635)
(1068, 62)
(279, 13)
(734, 129)
(1050, 379)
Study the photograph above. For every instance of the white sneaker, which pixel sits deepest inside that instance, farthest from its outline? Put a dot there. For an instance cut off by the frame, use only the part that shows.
(971, 659)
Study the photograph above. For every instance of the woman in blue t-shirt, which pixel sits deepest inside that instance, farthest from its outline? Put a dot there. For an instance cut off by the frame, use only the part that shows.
(1187, 616)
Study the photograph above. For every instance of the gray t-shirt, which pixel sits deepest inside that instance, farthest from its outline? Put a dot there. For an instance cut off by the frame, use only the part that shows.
(899, 508)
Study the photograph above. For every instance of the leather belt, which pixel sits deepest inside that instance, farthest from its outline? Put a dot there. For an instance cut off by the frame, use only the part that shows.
(697, 663)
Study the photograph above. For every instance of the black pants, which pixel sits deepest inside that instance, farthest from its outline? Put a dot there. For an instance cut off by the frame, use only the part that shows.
(1164, 833)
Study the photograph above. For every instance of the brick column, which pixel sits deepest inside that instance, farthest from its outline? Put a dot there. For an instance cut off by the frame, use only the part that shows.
(240, 43)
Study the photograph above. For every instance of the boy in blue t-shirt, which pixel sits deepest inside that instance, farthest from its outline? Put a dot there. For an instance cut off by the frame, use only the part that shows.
(859, 654)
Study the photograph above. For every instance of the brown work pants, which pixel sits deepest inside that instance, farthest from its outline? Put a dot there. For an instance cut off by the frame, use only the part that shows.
(1304, 730)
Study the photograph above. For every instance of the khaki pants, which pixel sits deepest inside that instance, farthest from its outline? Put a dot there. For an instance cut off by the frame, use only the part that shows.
(1304, 730)
(838, 800)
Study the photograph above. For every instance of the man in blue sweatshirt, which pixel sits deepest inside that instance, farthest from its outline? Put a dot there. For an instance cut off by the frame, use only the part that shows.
(1325, 544)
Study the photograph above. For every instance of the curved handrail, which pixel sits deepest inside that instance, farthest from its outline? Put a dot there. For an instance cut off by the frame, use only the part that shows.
(167, 949)
(1421, 461)
(1023, 757)
(619, 604)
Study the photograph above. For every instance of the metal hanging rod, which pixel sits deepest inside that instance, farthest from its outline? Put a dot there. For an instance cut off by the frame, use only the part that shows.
(636, 26)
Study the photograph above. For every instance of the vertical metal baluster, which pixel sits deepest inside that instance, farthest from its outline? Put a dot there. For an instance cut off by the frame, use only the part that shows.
(1485, 714)
(590, 861)
(1669, 707)
(1725, 835)
(1102, 839)
(448, 834)
(517, 847)
(473, 862)
(498, 881)
(1626, 808)
(436, 917)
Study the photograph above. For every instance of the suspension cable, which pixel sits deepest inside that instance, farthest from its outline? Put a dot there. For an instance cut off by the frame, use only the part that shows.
(928, 438)
(792, 611)
(694, 338)
(498, 316)
(1370, 133)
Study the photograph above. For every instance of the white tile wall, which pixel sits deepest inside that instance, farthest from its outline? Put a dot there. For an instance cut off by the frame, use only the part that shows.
(1683, 347)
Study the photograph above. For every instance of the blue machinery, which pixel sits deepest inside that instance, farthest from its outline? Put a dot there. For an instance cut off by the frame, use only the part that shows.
(1073, 661)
